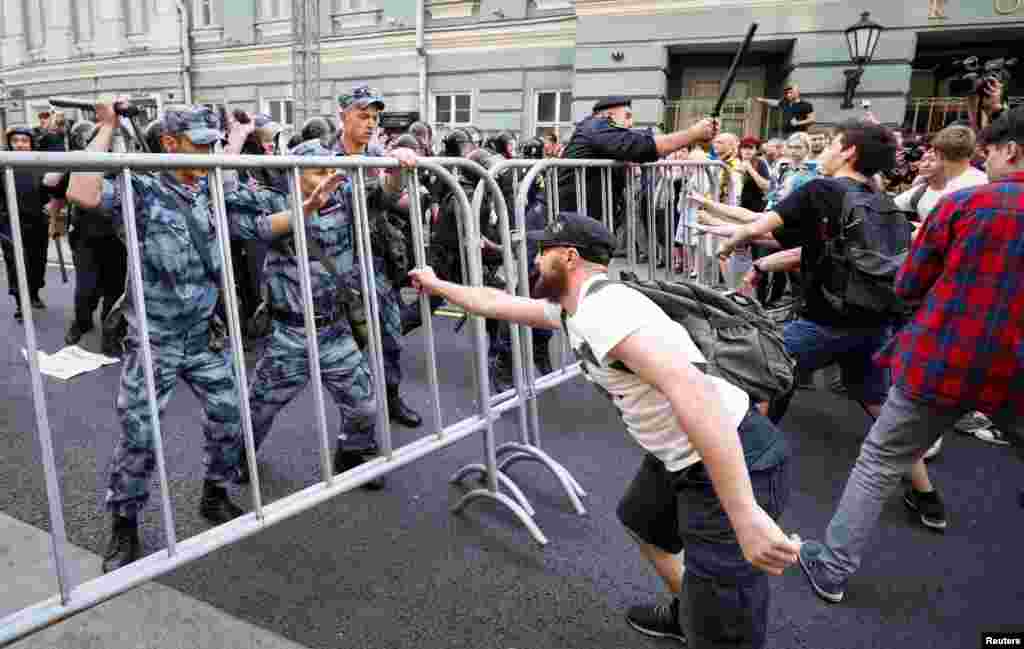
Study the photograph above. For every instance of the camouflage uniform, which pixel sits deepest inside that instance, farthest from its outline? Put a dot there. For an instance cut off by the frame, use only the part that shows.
(180, 276)
(283, 370)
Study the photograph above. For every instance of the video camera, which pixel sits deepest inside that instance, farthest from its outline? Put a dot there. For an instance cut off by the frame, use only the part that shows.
(977, 75)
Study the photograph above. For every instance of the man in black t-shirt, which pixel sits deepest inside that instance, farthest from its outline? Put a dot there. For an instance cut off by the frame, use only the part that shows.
(797, 115)
(803, 222)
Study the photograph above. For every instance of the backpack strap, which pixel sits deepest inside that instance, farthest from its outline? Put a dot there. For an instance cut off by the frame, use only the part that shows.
(586, 355)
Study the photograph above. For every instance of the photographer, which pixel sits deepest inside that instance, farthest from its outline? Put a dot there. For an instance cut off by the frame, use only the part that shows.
(987, 104)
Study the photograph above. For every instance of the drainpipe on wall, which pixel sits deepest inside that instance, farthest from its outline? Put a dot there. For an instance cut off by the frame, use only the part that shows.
(186, 50)
(421, 55)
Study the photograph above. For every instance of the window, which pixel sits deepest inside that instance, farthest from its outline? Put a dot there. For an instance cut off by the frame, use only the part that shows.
(203, 14)
(348, 14)
(274, 9)
(281, 111)
(453, 110)
(36, 25)
(553, 111)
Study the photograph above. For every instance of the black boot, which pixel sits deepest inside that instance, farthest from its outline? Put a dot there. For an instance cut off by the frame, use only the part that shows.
(500, 371)
(347, 460)
(76, 331)
(541, 356)
(125, 546)
(37, 302)
(400, 411)
(215, 505)
(411, 319)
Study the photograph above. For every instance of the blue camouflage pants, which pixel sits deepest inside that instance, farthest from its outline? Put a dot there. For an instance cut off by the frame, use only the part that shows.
(390, 299)
(283, 371)
(212, 380)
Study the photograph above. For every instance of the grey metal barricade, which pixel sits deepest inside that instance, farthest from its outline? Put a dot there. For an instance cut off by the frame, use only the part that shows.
(74, 597)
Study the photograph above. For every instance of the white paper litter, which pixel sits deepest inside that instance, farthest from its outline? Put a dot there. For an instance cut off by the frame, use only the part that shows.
(70, 362)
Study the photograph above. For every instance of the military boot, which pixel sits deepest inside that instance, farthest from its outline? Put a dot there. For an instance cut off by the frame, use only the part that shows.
(215, 505)
(541, 355)
(500, 370)
(400, 411)
(347, 460)
(124, 547)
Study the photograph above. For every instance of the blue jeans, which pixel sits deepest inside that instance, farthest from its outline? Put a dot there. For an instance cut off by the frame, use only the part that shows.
(815, 346)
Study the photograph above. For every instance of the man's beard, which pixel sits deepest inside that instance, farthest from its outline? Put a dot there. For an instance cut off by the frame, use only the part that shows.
(552, 286)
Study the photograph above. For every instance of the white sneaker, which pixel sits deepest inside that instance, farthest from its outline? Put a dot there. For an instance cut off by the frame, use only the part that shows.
(933, 450)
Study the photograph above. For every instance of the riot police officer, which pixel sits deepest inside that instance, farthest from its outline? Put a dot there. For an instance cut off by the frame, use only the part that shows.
(32, 198)
(101, 260)
(180, 281)
(608, 134)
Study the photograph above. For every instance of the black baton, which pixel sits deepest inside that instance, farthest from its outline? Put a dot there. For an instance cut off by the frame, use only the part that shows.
(731, 77)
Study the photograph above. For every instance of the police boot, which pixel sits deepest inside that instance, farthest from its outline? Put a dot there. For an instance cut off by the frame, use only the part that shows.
(37, 302)
(17, 309)
(215, 505)
(500, 371)
(411, 319)
(76, 331)
(541, 356)
(400, 411)
(125, 546)
(347, 460)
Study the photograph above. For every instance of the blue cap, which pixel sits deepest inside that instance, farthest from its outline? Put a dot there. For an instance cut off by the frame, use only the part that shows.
(311, 147)
(361, 96)
(199, 123)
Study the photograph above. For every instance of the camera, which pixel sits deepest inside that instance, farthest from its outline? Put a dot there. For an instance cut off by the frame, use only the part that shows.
(978, 75)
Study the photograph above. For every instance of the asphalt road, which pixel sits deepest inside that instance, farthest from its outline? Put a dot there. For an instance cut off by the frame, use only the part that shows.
(394, 569)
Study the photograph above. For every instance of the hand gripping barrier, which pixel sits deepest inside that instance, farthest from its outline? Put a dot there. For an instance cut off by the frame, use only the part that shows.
(75, 596)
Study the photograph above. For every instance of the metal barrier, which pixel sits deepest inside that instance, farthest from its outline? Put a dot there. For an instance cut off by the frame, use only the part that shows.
(74, 597)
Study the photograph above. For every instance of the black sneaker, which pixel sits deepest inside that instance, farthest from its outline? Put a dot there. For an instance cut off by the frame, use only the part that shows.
(215, 505)
(658, 621)
(928, 506)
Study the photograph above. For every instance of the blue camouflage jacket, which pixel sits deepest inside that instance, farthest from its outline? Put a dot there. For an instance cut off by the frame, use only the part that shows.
(178, 245)
(249, 209)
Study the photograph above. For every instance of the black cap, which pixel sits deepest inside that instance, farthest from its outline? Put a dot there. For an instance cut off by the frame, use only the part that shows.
(575, 230)
(611, 102)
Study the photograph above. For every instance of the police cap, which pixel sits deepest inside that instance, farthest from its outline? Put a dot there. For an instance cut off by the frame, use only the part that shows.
(611, 102)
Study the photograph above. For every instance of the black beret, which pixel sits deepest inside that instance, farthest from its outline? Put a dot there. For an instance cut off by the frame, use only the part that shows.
(612, 101)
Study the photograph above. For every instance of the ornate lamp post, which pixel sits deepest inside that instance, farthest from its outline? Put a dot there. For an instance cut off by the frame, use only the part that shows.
(862, 39)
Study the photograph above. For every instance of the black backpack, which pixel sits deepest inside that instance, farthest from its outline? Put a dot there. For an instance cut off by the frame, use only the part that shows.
(870, 243)
(741, 343)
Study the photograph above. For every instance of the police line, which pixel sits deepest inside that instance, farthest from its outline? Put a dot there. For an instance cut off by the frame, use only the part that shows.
(74, 597)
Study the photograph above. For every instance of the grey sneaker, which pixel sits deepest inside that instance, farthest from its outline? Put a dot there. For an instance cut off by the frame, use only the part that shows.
(824, 585)
(658, 621)
(928, 506)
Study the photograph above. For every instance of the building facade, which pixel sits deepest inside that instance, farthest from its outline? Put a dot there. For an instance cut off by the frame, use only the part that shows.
(521, 65)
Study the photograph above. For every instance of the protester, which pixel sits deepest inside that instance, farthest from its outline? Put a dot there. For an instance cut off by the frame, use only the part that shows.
(949, 359)
(703, 487)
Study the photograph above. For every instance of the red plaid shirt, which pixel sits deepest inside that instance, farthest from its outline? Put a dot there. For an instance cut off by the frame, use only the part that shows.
(965, 346)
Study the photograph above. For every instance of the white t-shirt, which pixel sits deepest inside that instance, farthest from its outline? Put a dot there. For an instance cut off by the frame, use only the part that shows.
(605, 319)
(969, 178)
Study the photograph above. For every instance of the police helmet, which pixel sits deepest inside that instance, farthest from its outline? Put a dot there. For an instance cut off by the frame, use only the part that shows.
(20, 130)
(319, 128)
(421, 131)
(408, 141)
(80, 135)
(532, 148)
(455, 141)
(152, 134)
(501, 143)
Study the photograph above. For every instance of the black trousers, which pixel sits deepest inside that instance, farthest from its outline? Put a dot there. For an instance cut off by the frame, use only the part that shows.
(36, 240)
(101, 266)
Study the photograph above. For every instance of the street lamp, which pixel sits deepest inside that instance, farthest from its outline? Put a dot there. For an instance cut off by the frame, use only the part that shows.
(862, 39)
